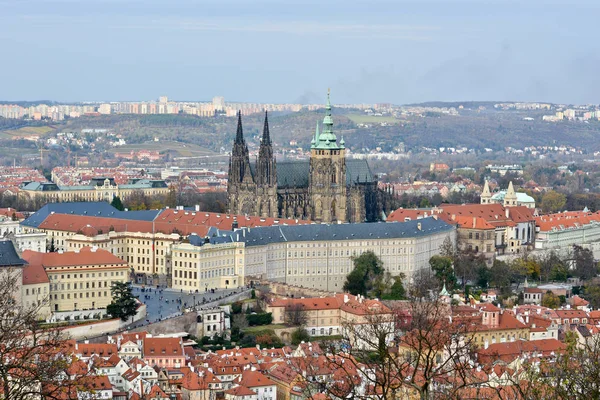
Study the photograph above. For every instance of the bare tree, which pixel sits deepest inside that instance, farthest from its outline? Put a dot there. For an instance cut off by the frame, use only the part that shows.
(295, 315)
(34, 362)
(411, 350)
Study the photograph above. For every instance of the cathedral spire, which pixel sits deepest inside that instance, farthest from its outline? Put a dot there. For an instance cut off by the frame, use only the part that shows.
(239, 136)
(315, 138)
(327, 139)
(266, 138)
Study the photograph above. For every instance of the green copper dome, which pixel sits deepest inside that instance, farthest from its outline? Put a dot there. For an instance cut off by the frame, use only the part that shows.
(326, 140)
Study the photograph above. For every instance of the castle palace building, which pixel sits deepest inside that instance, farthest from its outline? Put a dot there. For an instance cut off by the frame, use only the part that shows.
(327, 188)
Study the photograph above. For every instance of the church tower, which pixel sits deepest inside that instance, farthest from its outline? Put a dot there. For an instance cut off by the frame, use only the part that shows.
(510, 198)
(327, 190)
(266, 176)
(241, 189)
(486, 195)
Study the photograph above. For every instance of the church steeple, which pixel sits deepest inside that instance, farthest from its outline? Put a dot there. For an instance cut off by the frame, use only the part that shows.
(486, 195)
(510, 198)
(266, 138)
(239, 136)
(239, 163)
(265, 166)
(327, 139)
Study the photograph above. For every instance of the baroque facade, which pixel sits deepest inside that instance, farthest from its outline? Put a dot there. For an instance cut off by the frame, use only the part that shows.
(328, 188)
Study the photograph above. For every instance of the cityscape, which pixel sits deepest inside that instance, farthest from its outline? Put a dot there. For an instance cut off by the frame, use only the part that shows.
(377, 214)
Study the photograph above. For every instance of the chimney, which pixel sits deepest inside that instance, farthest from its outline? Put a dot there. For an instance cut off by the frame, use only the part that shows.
(453, 217)
(419, 226)
(197, 207)
(345, 298)
(474, 222)
(486, 344)
(527, 319)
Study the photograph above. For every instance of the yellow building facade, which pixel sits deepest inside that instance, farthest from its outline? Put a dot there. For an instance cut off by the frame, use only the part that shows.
(211, 266)
(80, 280)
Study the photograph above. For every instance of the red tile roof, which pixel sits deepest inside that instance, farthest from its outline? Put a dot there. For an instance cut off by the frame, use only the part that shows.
(85, 256)
(240, 391)
(99, 349)
(253, 379)
(565, 220)
(168, 221)
(8, 212)
(162, 347)
(34, 272)
(511, 350)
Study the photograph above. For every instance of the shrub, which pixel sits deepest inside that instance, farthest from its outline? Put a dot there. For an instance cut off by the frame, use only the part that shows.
(236, 308)
(259, 319)
(300, 335)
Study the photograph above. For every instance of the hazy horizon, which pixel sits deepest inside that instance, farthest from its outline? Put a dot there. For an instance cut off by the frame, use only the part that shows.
(267, 51)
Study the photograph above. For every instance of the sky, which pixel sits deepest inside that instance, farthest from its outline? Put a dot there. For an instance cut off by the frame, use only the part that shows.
(288, 51)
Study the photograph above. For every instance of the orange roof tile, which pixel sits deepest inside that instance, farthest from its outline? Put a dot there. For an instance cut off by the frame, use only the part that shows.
(255, 379)
(162, 347)
(85, 256)
(34, 272)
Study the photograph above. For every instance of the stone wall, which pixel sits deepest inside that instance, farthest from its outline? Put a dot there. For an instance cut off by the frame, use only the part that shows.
(285, 290)
(183, 323)
(101, 328)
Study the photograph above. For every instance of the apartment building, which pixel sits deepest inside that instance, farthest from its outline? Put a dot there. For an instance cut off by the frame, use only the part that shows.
(80, 280)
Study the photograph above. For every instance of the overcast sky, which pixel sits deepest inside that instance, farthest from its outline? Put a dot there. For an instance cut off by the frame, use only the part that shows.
(398, 51)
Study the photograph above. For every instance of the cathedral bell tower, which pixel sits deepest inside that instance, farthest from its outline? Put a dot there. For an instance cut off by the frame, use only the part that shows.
(241, 189)
(327, 188)
(266, 176)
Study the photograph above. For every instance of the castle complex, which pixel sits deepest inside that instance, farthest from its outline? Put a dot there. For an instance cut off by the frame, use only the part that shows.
(328, 188)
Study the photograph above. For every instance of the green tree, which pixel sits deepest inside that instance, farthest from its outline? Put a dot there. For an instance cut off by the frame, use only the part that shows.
(550, 300)
(300, 335)
(443, 270)
(123, 303)
(397, 291)
(552, 267)
(356, 282)
(368, 269)
(51, 247)
(553, 201)
(591, 293)
(500, 275)
(483, 276)
(116, 203)
(583, 260)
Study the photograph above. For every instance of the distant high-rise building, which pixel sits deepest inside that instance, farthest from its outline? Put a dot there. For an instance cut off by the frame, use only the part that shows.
(219, 103)
(104, 108)
(163, 99)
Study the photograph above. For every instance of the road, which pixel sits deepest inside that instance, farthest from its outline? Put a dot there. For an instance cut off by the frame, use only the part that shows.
(165, 303)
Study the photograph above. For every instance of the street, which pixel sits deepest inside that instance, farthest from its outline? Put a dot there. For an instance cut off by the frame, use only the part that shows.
(165, 303)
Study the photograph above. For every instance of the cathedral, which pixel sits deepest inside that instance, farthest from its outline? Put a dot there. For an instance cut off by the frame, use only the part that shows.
(327, 188)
